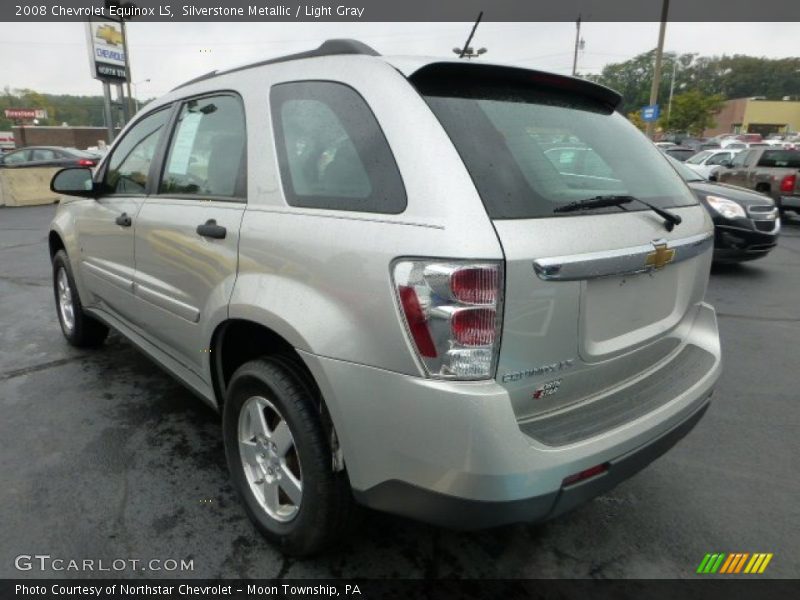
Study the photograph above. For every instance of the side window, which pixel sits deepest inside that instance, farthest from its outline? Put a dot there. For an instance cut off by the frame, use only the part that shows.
(43, 154)
(207, 150)
(738, 160)
(129, 165)
(717, 159)
(331, 151)
(16, 157)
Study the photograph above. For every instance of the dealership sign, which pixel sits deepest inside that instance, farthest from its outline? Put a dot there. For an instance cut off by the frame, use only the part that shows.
(106, 51)
(26, 113)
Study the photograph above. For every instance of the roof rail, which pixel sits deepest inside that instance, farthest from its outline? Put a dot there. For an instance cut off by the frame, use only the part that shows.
(327, 48)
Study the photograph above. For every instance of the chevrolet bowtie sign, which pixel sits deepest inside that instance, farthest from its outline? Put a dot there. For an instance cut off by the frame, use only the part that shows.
(106, 51)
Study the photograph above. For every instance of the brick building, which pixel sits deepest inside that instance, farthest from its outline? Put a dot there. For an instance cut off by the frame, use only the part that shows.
(71, 137)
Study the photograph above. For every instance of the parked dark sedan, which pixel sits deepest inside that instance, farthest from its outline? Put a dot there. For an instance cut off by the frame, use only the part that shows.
(48, 156)
(746, 224)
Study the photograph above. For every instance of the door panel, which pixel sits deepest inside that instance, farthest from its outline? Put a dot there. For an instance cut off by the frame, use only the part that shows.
(181, 276)
(187, 236)
(106, 226)
(107, 259)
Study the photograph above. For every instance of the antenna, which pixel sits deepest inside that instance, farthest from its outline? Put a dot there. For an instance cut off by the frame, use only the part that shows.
(466, 51)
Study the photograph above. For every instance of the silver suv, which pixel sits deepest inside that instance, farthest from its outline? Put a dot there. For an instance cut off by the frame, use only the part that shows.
(465, 293)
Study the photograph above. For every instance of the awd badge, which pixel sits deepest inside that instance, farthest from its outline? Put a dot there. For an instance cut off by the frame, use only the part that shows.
(548, 389)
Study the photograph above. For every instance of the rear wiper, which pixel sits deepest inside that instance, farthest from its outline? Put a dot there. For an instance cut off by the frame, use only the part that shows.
(670, 219)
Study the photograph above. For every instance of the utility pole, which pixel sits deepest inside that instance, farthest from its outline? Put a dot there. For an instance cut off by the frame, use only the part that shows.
(577, 44)
(651, 125)
(672, 87)
(129, 110)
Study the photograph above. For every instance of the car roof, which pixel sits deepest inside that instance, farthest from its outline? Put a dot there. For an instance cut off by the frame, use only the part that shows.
(409, 65)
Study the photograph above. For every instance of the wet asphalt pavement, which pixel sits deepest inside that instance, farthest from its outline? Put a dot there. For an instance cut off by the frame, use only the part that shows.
(103, 456)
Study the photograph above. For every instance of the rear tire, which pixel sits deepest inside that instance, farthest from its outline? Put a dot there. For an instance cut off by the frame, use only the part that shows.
(280, 458)
(80, 329)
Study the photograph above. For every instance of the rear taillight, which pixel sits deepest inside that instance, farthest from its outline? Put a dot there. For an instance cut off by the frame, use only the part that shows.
(452, 313)
(788, 183)
(85, 162)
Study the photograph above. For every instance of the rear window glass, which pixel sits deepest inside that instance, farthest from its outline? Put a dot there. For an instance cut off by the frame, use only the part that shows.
(531, 148)
(789, 159)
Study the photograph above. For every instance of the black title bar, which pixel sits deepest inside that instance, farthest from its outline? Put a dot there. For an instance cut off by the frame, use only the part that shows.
(405, 10)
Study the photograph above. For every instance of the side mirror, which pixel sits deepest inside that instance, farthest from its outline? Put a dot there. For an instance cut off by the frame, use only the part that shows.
(73, 181)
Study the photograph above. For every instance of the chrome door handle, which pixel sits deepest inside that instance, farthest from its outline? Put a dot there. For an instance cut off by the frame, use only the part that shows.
(124, 220)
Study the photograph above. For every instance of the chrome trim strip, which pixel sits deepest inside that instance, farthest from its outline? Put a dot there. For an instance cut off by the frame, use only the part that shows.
(176, 307)
(105, 275)
(623, 261)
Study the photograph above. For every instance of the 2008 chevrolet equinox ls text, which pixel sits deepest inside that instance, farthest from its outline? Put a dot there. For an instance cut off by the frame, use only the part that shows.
(469, 294)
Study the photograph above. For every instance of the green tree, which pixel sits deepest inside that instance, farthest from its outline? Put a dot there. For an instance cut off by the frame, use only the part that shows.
(692, 111)
(635, 117)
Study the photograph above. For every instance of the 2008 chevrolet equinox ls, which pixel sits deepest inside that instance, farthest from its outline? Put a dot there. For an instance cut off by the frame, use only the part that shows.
(469, 294)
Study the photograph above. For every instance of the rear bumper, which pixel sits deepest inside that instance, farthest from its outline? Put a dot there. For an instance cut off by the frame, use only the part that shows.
(454, 453)
(408, 500)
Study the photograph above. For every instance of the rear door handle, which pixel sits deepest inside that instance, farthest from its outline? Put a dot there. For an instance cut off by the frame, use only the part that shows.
(124, 220)
(210, 229)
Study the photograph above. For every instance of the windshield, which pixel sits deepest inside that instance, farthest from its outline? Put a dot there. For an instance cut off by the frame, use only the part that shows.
(531, 149)
(699, 157)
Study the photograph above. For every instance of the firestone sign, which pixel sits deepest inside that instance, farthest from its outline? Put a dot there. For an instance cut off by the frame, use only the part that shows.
(106, 52)
(25, 113)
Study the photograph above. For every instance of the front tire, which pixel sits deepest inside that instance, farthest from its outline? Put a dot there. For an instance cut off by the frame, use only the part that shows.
(80, 329)
(280, 458)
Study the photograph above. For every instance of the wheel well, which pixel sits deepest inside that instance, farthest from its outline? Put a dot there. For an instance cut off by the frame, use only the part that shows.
(236, 342)
(56, 243)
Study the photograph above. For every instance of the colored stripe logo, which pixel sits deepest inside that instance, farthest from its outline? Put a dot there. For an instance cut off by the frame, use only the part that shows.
(735, 563)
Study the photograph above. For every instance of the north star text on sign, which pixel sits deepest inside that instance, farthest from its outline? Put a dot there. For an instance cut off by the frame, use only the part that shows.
(327, 11)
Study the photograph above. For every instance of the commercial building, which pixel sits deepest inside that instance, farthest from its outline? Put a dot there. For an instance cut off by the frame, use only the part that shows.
(754, 115)
(71, 137)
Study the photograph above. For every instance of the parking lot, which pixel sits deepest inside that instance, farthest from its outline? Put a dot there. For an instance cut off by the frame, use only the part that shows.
(105, 457)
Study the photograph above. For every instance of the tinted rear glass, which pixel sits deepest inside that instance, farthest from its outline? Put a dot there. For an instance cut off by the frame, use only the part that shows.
(789, 159)
(531, 148)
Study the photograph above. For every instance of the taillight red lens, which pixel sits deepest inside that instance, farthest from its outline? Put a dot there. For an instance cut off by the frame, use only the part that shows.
(788, 183)
(85, 162)
(417, 324)
(474, 326)
(474, 285)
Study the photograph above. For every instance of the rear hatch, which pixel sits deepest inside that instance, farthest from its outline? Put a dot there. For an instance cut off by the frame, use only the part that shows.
(594, 297)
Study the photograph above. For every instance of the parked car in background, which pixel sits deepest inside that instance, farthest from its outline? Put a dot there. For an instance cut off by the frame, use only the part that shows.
(664, 145)
(746, 224)
(769, 171)
(450, 321)
(680, 153)
(704, 162)
(48, 156)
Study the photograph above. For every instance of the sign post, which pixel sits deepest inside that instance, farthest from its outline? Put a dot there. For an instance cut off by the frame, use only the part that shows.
(108, 61)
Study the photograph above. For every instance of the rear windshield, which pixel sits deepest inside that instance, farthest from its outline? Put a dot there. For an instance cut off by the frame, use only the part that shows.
(789, 159)
(530, 148)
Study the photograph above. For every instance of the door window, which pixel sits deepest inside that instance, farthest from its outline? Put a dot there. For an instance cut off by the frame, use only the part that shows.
(331, 151)
(129, 164)
(43, 154)
(207, 151)
(15, 157)
(739, 159)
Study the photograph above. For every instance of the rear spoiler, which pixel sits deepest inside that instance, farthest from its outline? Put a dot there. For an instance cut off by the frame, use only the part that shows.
(438, 71)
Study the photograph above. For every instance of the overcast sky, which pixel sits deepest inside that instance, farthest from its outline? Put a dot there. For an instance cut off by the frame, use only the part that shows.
(52, 57)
